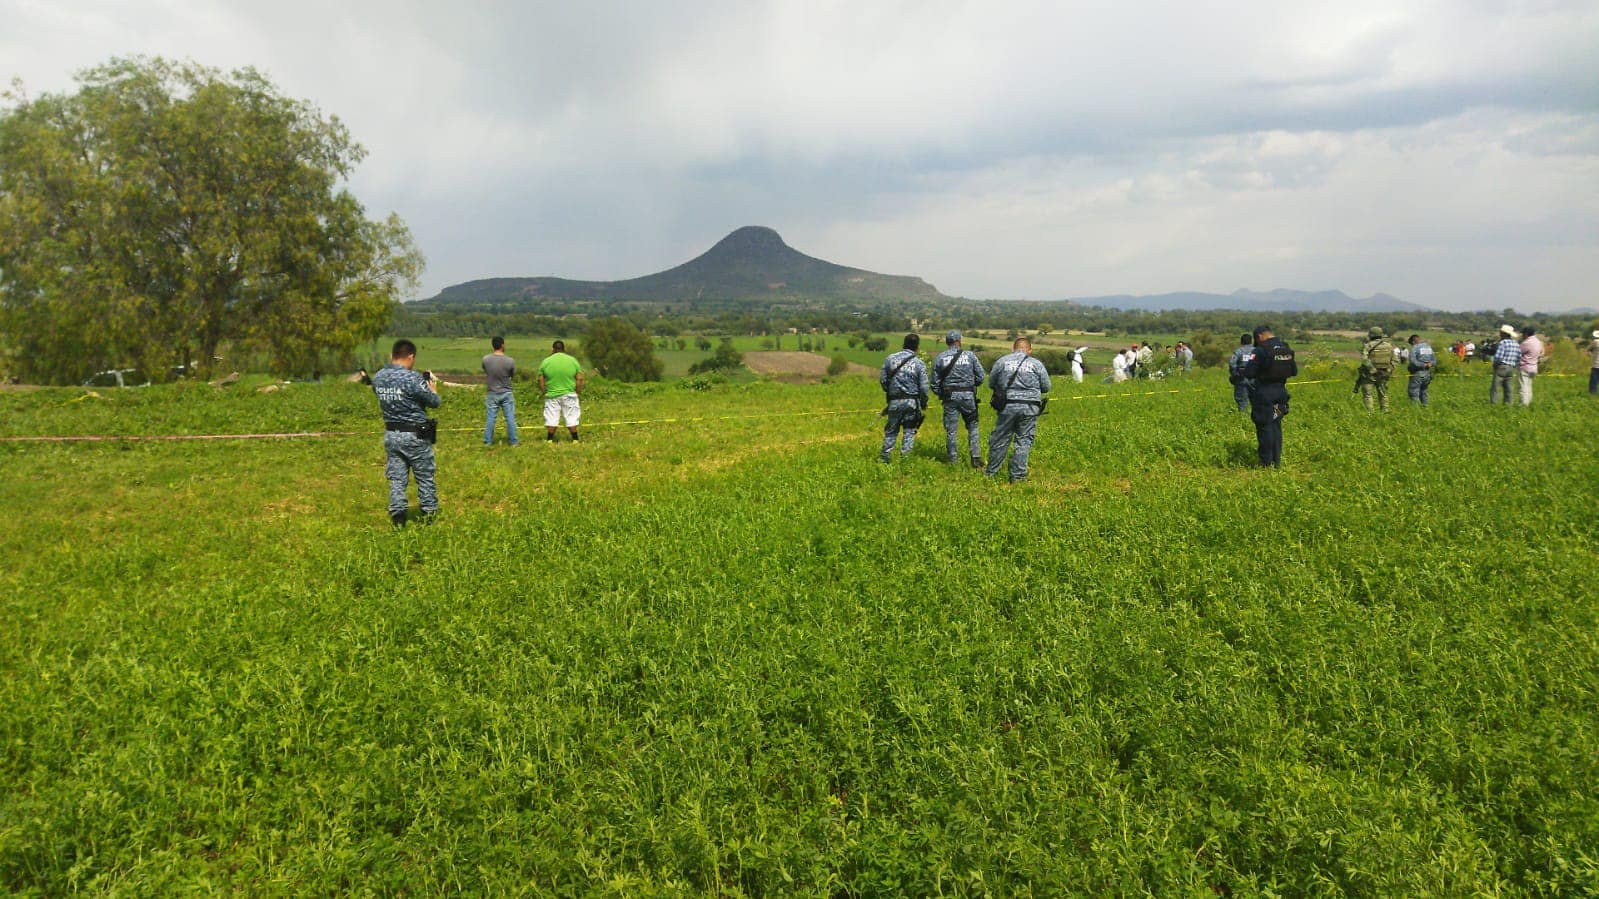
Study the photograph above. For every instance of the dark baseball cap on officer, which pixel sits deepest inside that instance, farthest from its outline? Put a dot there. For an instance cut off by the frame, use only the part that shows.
(952, 337)
(912, 341)
(1262, 329)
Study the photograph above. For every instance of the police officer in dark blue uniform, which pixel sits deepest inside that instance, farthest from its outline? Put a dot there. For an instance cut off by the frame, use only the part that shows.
(1268, 372)
(404, 396)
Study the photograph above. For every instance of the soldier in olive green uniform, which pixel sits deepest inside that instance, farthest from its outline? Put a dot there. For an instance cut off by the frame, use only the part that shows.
(1376, 368)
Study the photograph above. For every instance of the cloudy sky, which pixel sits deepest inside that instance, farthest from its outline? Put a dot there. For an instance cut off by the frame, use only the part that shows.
(1447, 153)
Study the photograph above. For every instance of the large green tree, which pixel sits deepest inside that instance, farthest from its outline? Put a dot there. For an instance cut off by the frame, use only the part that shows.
(621, 351)
(165, 210)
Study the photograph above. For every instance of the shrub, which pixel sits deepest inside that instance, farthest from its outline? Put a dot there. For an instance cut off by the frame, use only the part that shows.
(838, 365)
(621, 351)
(724, 359)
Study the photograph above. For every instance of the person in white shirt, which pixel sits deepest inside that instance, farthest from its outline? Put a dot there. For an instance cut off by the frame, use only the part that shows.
(1118, 367)
(1077, 364)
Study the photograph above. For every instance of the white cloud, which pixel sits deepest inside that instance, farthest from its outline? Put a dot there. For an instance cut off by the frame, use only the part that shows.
(1450, 213)
(1224, 144)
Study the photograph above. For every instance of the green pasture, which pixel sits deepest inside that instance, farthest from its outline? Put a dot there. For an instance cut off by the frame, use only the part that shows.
(737, 656)
(463, 355)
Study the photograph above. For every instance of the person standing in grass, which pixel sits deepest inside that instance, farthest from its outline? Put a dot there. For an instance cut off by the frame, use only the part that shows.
(1235, 370)
(1268, 371)
(1527, 368)
(1506, 362)
(1593, 373)
(904, 381)
(561, 384)
(1421, 361)
(1019, 383)
(956, 374)
(408, 433)
(1376, 368)
(498, 369)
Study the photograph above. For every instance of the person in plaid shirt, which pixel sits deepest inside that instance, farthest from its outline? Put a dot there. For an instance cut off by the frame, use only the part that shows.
(1507, 359)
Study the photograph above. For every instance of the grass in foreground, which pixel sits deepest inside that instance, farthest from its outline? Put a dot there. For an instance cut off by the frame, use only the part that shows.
(740, 657)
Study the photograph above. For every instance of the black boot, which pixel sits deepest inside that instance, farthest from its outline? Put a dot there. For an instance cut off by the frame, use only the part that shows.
(977, 462)
(398, 519)
(427, 517)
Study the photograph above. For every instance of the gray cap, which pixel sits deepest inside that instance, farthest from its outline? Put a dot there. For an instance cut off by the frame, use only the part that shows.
(952, 337)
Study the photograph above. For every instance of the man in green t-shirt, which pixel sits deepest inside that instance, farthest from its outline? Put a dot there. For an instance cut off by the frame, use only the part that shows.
(561, 381)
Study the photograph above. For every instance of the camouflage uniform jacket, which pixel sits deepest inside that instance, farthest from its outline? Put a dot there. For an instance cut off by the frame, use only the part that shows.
(1377, 359)
(963, 374)
(403, 395)
(1032, 381)
(909, 386)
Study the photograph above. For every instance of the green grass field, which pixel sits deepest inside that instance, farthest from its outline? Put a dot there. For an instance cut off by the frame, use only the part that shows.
(463, 355)
(740, 657)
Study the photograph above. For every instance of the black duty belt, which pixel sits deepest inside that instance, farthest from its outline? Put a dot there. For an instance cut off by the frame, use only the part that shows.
(397, 426)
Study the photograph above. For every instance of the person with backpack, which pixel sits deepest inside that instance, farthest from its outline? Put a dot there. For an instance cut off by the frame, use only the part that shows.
(1019, 383)
(956, 375)
(904, 381)
(1376, 368)
(1268, 372)
(1235, 370)
(1421, 362)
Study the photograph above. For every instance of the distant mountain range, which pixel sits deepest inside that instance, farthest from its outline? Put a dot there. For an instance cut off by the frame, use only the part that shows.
(1256, 301)
(752, 263)
(754, 267)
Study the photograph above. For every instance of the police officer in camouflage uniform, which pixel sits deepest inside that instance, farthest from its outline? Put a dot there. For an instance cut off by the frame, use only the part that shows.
(904, 380)
(1376, 367)
(1019, 383)
(408, 436)
(956, 374)
(1235, 370)
(1421, 362)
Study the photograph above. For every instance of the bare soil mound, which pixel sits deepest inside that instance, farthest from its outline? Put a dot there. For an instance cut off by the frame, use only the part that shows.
(780, 364)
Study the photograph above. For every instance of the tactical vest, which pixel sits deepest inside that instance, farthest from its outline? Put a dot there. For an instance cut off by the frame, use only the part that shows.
(1380, 354)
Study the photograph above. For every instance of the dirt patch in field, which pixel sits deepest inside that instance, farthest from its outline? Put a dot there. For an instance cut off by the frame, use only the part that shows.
(802, 366)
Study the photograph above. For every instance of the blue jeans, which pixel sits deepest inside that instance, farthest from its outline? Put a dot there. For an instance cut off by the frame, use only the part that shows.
(505, 400)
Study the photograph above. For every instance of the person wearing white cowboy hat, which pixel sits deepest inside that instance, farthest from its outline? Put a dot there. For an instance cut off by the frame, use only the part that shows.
(1506, 362)
(1593, 373)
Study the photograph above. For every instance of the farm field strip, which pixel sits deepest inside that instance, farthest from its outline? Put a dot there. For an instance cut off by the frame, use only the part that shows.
(743, 658)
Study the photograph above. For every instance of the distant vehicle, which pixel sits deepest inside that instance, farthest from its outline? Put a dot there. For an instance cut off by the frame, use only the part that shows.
(118, 377)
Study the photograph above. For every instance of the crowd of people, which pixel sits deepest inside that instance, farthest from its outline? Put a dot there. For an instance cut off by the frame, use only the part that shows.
(1141, 360)
(405, 394)
(1259, 370)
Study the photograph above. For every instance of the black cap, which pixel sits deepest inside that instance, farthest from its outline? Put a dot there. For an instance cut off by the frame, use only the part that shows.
(1261, 329)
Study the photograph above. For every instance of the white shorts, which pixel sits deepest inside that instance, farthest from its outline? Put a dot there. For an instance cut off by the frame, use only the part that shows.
(555, 407)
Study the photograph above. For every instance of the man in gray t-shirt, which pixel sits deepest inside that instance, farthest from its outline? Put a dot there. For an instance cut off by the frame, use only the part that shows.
(499, 368)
